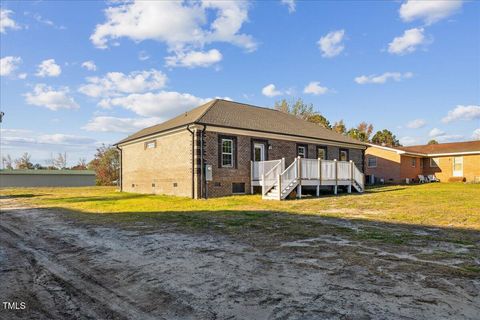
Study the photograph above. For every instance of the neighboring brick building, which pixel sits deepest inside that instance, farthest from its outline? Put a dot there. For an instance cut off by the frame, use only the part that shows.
(224, 136)
(458, 161)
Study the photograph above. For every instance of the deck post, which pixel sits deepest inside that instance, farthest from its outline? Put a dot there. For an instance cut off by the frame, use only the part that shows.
(319, 176)
(336, 177)
(299, 177)
(283, 164)
(351, 177)
(279, 182)
(263, 184)
(251, 177)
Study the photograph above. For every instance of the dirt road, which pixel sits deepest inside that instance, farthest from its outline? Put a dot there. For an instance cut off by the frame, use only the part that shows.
(67, 265)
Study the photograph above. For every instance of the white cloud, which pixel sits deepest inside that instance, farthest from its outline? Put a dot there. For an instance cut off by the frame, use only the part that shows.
(45, 96)
(89, 65)
(164, 104)
(180, 24)
(43, 145)
(450, 138)
(48, 68)
(461, 112)
(59, 138)
(6, 22)
(435, 132)
(22, 76)
(115, 124)
(331, 44)
(408, 42)
(290, 4)
(194, 59)
(47, 22)
(416, 124)
(428, 11)
(476, 134)
(315, 88)
(380, 79)
(11, 136)
(271, 91)
(442, 136)
(8, 65)
(408, 141)
(117, 83)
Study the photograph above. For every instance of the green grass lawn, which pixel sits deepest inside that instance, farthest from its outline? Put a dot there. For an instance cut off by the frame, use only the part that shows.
(452, 205)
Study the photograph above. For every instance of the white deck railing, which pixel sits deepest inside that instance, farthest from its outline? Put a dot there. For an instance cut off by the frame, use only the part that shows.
(329, 172)
(309, 169)
(260, 168)
(328, 169)
(359, 177)
(270, 178)
(287, 178)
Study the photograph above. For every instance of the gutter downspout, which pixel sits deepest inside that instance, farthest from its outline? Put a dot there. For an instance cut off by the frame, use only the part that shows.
(120, 175)
(201, 162)
(193, 161)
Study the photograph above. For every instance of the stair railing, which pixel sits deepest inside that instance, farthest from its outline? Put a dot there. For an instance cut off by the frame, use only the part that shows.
(269, 179)
(287, 177)
(359, 177)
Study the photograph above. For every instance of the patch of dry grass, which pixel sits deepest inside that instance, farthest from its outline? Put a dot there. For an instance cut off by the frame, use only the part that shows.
(436, 205)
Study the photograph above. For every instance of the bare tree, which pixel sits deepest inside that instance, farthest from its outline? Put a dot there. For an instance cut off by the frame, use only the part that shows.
(81, 165)
(24, 162)
(60, 161)
(7, 162)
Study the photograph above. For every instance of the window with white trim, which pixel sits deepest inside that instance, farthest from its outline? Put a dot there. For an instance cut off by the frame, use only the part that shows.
(433, 162)
(413, 162)
(372, 162)
(227, 153)
(150, 144)
(302, 151)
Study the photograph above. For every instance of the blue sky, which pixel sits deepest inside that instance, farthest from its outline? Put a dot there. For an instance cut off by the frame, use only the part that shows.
(75, 75)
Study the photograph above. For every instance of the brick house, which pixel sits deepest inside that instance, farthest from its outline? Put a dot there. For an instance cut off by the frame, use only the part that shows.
(223, 148)
(457, 161)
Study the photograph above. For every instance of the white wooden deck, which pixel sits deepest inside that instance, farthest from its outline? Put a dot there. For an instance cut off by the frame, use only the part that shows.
(278, 182)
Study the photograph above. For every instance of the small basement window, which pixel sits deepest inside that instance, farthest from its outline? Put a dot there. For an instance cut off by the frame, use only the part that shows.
(150, 144)
(238, 187)
(372, 162)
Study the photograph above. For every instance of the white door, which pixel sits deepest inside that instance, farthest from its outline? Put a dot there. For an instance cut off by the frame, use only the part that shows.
(258, 152)
(458, 166)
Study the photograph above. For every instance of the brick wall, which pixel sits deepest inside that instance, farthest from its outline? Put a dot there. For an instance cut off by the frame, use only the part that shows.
(471, 167)
(388, 164)
(407, 170)
(224, 177)
(444, 171)
(166, 169)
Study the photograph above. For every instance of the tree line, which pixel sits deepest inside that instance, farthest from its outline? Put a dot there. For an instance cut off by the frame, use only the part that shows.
(105, 163)
(362, 132)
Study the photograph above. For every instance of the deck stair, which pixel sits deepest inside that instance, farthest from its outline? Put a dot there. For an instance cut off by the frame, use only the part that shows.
(278, 182)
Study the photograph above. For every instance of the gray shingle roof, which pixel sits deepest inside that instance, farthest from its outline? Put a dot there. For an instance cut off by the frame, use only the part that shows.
(231, 114)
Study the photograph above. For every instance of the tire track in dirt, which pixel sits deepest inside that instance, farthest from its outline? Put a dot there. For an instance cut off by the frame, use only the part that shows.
(75, 281)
